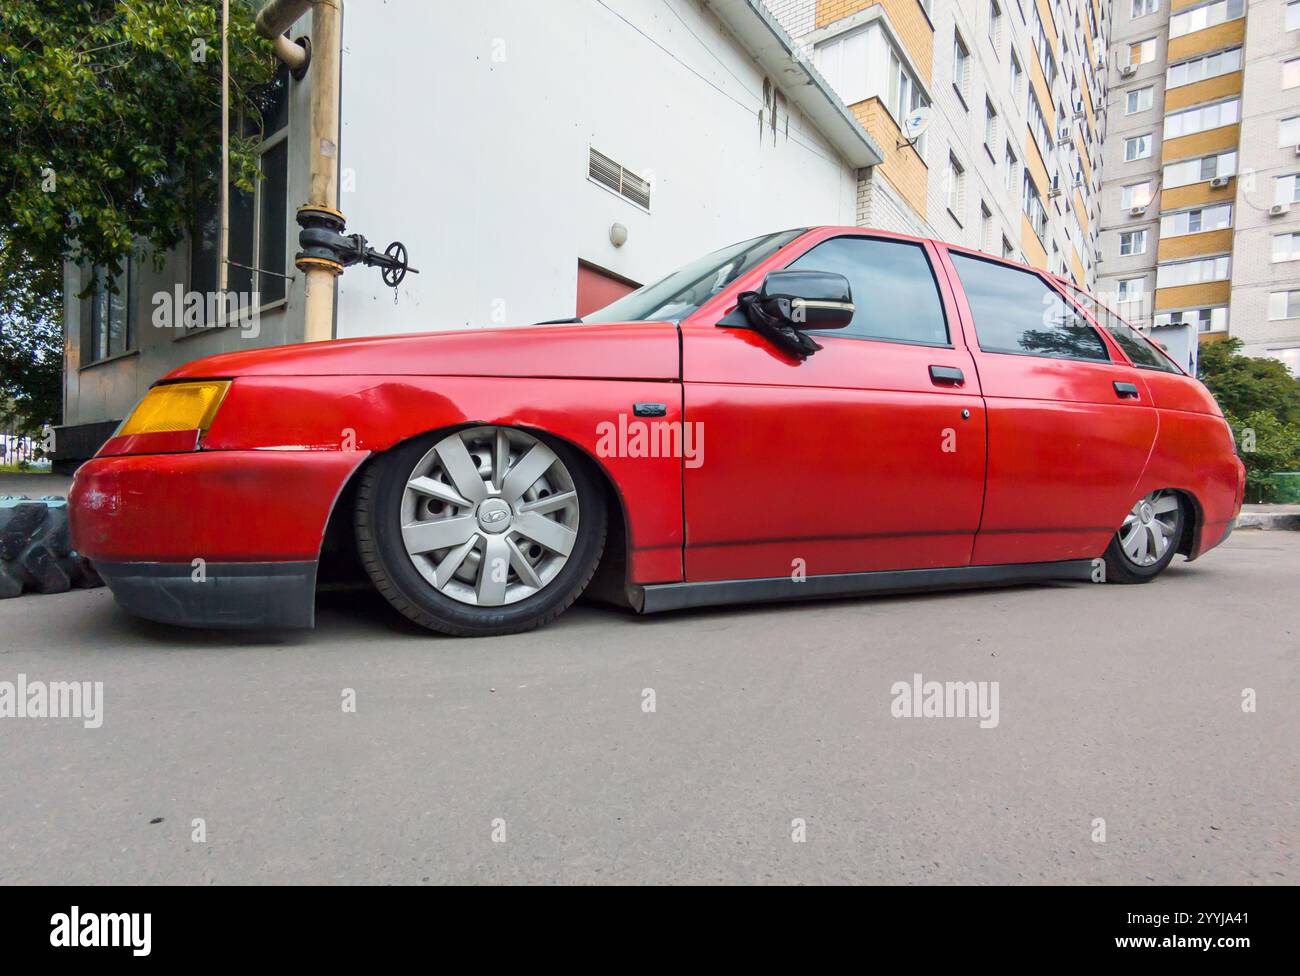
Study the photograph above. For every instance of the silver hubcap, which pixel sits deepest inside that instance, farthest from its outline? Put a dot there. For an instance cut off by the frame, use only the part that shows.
(1148, 532)
(489, 516)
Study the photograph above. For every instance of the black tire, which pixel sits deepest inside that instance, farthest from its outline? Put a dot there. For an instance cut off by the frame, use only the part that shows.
(382, 552)
(1120, 568)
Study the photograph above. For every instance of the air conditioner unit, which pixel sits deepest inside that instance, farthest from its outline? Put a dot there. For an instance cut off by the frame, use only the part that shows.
(1055, 191)
(1128, 71)
(1278, 209)
(1219, 182)
(1136, 211)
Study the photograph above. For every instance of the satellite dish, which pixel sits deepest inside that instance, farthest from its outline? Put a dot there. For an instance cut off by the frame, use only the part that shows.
(916, 122)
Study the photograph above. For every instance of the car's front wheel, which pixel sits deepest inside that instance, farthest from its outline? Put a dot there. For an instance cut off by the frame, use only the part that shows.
(1147, 541)
(486, 530)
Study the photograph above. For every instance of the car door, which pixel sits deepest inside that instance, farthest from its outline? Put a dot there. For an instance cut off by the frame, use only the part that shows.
(869, 455)
(1070, 424)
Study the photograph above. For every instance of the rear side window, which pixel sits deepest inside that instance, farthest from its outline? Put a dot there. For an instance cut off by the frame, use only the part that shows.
(894, 289)
(1142, 351)
(1016, 311)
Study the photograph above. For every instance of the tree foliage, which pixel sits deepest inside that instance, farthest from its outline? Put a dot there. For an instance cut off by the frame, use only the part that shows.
(110, 126)
(1261, 400)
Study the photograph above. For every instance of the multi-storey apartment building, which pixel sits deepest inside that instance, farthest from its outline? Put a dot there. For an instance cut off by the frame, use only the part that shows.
(1200, 223)
(1010, 159)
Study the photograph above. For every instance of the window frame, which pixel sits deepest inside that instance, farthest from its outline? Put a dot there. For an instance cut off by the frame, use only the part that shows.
(95, 326)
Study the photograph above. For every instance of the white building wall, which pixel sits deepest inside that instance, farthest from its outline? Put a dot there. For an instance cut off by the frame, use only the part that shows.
(482, 169)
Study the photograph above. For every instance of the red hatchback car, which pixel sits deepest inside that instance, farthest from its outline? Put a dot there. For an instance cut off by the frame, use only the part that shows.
(811, 413)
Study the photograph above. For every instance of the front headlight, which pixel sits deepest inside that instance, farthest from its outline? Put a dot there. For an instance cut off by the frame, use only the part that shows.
(176, 406)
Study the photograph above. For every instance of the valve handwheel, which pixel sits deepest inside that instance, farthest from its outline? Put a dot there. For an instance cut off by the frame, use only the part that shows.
(395, 272)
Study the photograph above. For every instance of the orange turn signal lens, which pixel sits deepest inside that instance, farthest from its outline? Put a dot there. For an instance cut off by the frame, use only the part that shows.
(176, 406)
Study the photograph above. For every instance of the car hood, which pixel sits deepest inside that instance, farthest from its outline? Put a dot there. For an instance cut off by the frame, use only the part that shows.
(627, 350)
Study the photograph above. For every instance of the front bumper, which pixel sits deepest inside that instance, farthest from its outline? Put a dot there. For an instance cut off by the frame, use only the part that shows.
(210, 538)
(246, 596)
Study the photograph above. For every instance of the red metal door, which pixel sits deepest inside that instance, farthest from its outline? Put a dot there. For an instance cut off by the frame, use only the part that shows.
(857, 459)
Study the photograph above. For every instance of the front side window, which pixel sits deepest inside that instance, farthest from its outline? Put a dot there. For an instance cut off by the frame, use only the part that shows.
(894, 289)
(1016, 311)
(679, 294)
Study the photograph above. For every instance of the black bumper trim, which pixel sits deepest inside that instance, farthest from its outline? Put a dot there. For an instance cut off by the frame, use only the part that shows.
(235, 596)
(659, 597)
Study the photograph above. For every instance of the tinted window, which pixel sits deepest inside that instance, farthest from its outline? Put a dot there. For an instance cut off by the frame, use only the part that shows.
(893, 288)
(1017, 311)
(1138, 347)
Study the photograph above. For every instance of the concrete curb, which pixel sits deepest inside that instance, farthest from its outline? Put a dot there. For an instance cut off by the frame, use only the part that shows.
(1286, 521)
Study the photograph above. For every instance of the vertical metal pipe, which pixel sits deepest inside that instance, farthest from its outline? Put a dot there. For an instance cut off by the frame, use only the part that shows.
(223, 270)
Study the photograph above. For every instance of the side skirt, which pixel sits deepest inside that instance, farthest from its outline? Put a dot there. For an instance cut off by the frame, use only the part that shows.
(660, 597)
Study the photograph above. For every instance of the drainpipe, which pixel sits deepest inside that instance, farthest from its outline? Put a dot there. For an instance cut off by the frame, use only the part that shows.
(324, 57)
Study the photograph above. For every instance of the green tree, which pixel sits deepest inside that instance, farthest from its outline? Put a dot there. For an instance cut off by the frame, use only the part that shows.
(1246, 384)
(1261, 400)
(110, 125)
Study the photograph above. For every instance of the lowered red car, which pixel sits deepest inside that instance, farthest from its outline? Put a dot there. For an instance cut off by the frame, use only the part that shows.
(807, 414)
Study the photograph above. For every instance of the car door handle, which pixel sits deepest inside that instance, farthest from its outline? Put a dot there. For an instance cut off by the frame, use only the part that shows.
(947, 375)
(1123, 390)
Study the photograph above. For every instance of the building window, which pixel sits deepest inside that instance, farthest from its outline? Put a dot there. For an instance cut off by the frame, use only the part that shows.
(995, 24)
(1010, 177)
(1135, 195)
(1039, 126)
(1198, 221)
(1139, 100)
(1033, 205)
(1289, 355)
(1206, 15)
(960, 66)
(1286, 189)
(986, 228)
(1137, 147)
(1283, 305)
(905, 95)
(990, 126)
(1288, 132)
(1203, 117)
(1214, 319)
(110, 329)
(954, 189)
(1141, 52)
(1043, 47)
(1198, 69)
(1142, 8)
(1008, 251)
(1190, 171)
(1017, 74)
(258, 220)
(1286, 247)
(1293, 15)
(1193, 272)
(1291, 73)
(1132, 242)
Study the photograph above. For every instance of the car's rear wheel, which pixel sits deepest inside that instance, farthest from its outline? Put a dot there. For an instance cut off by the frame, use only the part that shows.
(1147, 541)
(486, 530)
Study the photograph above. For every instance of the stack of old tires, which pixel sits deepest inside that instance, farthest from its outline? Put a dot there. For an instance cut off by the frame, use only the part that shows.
(36, 551)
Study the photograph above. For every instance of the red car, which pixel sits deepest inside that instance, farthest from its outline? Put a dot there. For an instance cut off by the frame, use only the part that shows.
(812, 413)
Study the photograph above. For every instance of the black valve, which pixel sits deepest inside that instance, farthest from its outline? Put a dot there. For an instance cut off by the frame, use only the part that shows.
(325, 245)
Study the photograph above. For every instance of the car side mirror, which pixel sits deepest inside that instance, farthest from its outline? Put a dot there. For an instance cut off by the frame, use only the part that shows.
(807, 300)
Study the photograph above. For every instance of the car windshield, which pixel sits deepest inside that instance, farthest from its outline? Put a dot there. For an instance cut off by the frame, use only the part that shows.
(686, 289)
(1142, 350)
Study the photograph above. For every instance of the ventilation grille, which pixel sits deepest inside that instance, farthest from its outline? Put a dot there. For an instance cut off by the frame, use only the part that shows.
(618, 178)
